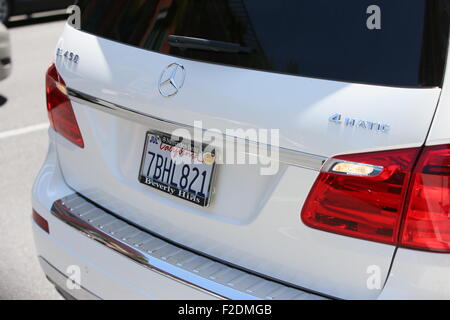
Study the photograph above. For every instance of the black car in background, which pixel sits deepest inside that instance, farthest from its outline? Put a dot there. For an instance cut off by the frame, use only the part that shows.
(10, 8)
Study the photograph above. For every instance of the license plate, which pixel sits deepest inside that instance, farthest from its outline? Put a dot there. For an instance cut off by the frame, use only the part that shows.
(183, 169)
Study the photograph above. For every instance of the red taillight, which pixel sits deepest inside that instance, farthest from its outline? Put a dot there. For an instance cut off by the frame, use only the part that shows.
(386, 197)
(362, 195)
(60, 111)
(427, 219)
(40, 221)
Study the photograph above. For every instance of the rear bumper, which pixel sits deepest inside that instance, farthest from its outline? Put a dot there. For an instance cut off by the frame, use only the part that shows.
(110, 259)
(100, 272)
(117, 266)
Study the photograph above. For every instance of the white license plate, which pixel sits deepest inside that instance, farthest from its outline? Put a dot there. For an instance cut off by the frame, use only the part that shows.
(181, 168)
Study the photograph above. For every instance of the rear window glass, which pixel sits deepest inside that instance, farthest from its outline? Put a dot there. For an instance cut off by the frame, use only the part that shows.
(385, 42)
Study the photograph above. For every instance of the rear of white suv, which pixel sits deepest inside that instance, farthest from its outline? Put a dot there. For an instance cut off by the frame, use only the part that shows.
(353, 203)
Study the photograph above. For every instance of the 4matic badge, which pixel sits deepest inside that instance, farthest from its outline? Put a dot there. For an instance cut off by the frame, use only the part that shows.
(362, 124)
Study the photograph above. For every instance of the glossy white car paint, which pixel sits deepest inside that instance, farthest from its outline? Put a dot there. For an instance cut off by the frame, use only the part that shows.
(5, 53)
(417, 275)
(254, 221)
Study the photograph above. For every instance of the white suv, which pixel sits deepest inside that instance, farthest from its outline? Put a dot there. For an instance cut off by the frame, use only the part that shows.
(248, 149)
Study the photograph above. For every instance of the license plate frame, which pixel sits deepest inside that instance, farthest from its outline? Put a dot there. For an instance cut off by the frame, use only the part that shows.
(167, 187)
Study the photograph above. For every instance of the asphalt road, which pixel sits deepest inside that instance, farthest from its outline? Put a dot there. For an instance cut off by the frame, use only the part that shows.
(23, 147)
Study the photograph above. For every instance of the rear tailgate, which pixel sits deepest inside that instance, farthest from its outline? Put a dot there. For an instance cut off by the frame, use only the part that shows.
(254, 220)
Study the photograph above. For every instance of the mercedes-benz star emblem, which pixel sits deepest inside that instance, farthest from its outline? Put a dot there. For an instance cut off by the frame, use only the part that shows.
(172, 80)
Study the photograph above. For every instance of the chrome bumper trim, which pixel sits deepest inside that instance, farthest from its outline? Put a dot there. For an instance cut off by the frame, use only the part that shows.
(186, 267)
(58, 279)
(286, 156)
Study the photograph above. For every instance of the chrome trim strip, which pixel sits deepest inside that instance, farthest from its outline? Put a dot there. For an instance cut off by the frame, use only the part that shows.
(58, 279)
(186, 267)
(287, 156)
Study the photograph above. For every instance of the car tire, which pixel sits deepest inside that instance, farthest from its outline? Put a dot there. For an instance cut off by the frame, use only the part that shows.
(5, 10)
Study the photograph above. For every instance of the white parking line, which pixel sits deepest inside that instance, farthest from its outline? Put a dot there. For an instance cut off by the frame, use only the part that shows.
(22, 131)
